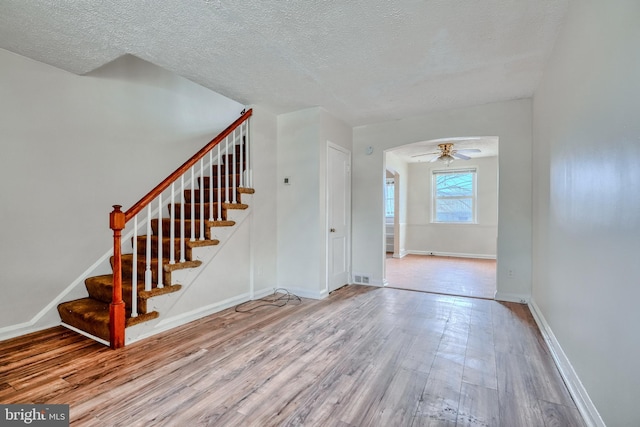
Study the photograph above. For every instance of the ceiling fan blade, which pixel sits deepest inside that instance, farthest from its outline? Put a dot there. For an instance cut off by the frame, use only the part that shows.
(469, 150)
(435, 159)
(460, 156)
(425, 154)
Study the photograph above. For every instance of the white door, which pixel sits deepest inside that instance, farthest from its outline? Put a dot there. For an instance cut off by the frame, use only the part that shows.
(338, 216)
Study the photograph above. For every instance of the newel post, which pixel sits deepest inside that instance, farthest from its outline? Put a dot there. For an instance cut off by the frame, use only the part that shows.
(116, 309)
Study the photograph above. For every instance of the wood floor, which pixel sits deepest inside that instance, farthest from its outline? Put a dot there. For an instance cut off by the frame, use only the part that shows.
(468, 277)
(365, 356)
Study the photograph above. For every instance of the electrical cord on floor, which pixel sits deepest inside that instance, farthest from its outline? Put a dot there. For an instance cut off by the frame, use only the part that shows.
(273, 301)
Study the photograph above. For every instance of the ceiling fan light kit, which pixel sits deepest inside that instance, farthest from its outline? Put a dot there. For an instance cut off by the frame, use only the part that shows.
(446, 156)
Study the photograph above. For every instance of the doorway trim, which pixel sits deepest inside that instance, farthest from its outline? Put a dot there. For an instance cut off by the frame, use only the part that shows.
(328, 205)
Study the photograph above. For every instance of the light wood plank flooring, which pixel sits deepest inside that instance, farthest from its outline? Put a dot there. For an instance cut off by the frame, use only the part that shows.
(364, 356)
(468, 277)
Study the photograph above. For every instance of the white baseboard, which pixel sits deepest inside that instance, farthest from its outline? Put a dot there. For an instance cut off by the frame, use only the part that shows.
(451, 254)
(509, 297)
(306, 293)
(579, 394)
(403, 253)
(86, 334)
(20, 329)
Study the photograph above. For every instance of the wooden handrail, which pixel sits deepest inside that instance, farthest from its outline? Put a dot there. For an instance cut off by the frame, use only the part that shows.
(136, 208)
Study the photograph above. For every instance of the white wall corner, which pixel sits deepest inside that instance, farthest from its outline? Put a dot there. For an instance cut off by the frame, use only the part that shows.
(577, 391)
(403, 253)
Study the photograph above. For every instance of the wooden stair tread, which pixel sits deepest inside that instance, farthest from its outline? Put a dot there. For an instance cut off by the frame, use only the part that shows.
(223, 223)
(87, 314)
(165, 266)
(106, 281)
(140, 318)
(235, 206)
(203, 243)
(188, 242)
(92, 316)
(246, 190)
(154, 292)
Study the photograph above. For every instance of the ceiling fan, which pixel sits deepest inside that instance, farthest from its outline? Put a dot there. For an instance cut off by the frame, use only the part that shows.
(447, 154)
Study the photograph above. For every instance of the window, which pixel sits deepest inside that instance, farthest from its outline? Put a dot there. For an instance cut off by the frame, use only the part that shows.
(454, 196)
(389, 202)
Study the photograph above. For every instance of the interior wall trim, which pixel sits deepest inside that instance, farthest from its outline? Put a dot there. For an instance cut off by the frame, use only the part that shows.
(577, 391)
(451, 254)
(12, 331)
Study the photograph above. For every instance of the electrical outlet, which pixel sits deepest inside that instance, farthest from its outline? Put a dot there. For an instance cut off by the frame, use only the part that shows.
(510, 273)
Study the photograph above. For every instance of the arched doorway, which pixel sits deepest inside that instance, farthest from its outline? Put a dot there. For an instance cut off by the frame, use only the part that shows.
(451, 211)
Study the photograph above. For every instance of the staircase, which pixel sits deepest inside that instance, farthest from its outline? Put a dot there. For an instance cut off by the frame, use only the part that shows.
(171, 236)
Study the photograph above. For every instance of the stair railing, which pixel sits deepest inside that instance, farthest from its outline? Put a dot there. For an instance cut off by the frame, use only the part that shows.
(232, 144)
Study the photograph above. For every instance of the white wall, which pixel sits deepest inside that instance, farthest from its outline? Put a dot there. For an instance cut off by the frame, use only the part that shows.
(469, 240)
(302, 156)
(511, 122)
(587, 202)
(298, 212)
(264, 237)
(72, 146)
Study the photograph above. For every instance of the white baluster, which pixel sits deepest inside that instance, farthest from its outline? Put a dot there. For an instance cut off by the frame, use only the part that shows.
(211, 185)
(172, 229)
(219, 184)
(202, 203)
(160, 284)
(234, 191)
(226, 171)
(248, 151)
(182, 234)
(147, 273)
(242, 168)
(134, 270)
(193, 204)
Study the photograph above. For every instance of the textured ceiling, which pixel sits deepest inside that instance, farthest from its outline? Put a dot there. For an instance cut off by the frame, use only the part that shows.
(363, 60)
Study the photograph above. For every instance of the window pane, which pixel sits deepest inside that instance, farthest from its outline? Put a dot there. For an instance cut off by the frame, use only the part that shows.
(454, 185)
(389, 198)
(454, 210)
(454, 198)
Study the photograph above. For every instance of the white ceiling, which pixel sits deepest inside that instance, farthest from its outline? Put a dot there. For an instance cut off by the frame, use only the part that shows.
(363, 60)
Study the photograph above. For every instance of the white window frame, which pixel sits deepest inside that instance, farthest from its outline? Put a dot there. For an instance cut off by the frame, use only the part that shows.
(473, 197)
